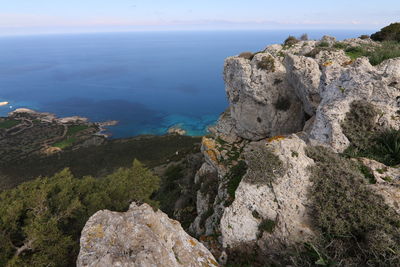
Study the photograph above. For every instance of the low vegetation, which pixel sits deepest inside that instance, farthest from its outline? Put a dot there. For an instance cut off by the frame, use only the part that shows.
(7, 124)
(234, 177)
(357, 228)
(388, 33)
(267, 63)
(291, 40)
(366, 138)
(264, 166)
(41, 220)
(101, 160)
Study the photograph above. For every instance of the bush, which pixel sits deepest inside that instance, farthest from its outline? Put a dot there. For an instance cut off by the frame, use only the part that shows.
(267, 63)
(267, 225)
(386, 51)
(291, 40)
(357, 227)
(388, 33)
(340, 45)
(359, 124)
(235, 176)
(41, 220)
(263, 166)
(304, 37)
(376, 55)
(323, 44)
(364, 37)
(388, 147)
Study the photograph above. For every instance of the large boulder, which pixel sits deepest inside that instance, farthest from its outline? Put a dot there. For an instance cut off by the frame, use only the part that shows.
(139, 237)
(262, 102)
(270, 206)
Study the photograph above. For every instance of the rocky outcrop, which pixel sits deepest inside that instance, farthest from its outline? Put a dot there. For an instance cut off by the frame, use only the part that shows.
(358, 81)
(262, 102)
(139, 237)
(274, 197)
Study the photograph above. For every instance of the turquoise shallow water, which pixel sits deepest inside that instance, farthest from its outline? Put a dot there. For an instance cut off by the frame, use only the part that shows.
(148, 81)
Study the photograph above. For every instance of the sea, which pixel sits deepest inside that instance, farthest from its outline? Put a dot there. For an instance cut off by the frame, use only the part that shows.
(147, 81)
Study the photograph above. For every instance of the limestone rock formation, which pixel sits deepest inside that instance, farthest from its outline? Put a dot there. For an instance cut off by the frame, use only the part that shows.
(280, 201)
(262, 102)
(139, 237)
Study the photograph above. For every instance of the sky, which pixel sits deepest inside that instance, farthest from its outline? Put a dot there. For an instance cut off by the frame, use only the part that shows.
(60, 16)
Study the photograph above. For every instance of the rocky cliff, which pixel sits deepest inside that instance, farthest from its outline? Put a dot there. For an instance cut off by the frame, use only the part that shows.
(293, 171)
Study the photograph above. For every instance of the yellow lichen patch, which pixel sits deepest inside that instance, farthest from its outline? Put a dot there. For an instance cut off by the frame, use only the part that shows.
(96, 232)
(275, 138)
(209, 146)
(348, 63)
(328, 63)
(149, 225)
(192, 242)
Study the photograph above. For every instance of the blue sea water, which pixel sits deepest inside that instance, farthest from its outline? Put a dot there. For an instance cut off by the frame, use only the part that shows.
(148, 81)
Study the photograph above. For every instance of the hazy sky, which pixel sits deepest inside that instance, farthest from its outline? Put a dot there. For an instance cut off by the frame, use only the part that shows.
(41, 16)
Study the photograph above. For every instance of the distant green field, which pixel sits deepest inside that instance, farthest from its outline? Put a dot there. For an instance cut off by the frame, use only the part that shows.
(72, 130)
(8, 124)
(65, 143)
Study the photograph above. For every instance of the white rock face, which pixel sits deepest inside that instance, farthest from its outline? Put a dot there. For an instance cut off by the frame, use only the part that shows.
(284, 201)
(304, 76)
(139, 237)
(262, 102)
(358, 81)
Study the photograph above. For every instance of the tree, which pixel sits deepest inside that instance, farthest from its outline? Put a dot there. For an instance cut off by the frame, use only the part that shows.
(41, 220)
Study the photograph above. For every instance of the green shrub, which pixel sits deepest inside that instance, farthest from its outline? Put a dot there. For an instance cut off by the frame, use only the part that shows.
(359, 124)
(355, 52)
(263, 166)
(364, 37)
(41, 220)
(267, 63)
(304, 37)
(367, 172)
(388, 147)
(323, 44)
(7, 124)
(366, 138)
(235, 176)
(291, 40)
(386, 51)
(340, 45)
(357, 227)
(388, 33)
(267, 225)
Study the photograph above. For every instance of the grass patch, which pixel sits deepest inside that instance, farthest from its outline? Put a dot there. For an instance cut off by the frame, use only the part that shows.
(7, 124)
(357, 227)
(376, 55)
(74, 129)
(65, 143)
